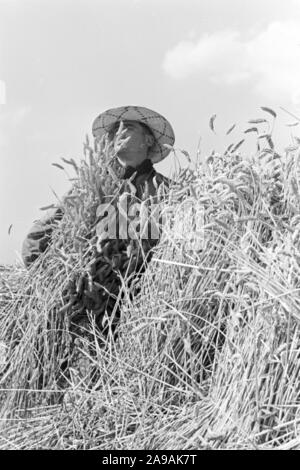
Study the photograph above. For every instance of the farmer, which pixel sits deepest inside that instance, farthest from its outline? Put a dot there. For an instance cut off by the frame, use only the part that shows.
(148, 131)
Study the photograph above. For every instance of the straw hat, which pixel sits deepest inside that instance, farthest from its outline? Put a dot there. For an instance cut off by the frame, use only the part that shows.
(160, 127)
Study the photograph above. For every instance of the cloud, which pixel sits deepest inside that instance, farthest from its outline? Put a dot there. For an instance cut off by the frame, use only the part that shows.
(269, 61)
(189, 57)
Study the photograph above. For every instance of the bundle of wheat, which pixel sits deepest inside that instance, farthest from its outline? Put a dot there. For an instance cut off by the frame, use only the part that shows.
(78, 279)
(208, 351)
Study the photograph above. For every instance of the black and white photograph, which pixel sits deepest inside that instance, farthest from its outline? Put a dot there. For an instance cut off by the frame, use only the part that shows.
(149, 227)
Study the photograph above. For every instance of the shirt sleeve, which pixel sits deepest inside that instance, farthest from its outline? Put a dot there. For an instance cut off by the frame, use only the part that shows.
(39, 236)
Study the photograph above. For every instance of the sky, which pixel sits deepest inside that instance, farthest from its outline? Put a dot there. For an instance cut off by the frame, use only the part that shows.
(63, 62)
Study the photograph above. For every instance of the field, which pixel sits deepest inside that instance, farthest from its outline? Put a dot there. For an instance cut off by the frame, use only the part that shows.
(207, 352)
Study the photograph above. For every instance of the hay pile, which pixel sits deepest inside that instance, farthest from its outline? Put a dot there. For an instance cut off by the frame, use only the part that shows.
(207, 353)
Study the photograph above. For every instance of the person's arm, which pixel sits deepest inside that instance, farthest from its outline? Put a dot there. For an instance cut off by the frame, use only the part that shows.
(39, 236)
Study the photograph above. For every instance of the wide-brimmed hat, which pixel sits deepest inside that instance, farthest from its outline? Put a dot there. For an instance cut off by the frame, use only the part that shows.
(160, 127)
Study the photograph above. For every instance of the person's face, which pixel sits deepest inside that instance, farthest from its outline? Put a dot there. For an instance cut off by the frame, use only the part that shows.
(136, 149)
